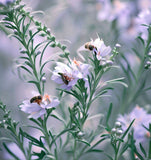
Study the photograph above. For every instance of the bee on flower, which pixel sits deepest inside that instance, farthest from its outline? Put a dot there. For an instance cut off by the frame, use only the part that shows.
(99, 48)
(68, 75)
(37, 105)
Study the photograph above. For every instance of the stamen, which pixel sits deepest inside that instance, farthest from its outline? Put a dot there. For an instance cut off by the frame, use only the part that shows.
(47, 98)
(76, 62)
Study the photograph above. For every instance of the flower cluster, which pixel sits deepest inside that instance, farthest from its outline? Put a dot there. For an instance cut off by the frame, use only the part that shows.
(128, 19)
(68, 75)
(141, 118)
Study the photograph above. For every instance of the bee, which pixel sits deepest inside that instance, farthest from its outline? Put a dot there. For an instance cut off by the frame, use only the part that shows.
(36, 99)
(65, 78)
(89, 46)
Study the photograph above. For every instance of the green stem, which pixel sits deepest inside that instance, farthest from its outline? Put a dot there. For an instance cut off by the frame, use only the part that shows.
(19, 143)
(44, 127)
(26, 45)
(74, 152)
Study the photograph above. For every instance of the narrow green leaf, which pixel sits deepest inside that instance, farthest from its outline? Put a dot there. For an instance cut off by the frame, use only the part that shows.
(58, 118)
(142, 149)
(83, 141)
(43, 65)
(33, 127)
(125, 133)
(32, 139)
(47, 157)
(118, 80)
(10, 152)
(6, 139)
(95, 150)
(26, 69)
(109, 113)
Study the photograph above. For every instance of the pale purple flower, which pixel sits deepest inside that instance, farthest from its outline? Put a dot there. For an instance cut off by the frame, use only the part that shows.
(100, 49)
(5, 2)
(66, 75)
(82, 68)
(144, 17)
(117, 9)
(141, 118)
(37, 109)
(143, 5)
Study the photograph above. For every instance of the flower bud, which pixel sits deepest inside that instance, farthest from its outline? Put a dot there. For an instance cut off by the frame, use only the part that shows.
(149, 54)
(148, 63)
(48, 31)
(103, 64)
(119, 132)
(109, 62)
(4, 121)
(113, 131)
(117, 45)
(118, 124)
(80, 134)
(73, 125)
(43, 79)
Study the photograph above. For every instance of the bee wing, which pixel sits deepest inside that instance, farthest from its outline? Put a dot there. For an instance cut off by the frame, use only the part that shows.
(34, 93)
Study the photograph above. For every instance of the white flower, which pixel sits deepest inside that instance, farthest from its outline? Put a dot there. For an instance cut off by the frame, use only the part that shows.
(37, 106)
(100, 49)
(66, 75)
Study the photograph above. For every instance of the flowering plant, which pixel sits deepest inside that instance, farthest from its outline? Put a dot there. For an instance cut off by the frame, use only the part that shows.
(82, 84)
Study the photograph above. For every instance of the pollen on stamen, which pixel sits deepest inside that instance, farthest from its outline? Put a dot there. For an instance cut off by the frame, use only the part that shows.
(47, 98)
(76, 62)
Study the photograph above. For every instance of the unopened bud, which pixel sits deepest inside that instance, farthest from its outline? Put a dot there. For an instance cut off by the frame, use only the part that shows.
(103, 64)
(73, 125)
(109, 62)
(48, 30)
(80, 134)
(4, 121)
(43, 79)
(113, 131)
(118, 124)
(119, 132)
(149, 54)
(148, 63)
(117, 45)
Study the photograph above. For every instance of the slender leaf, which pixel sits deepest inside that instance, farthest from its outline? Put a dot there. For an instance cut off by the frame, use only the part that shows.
(142, 149)
(10, 152)
(83, 141)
